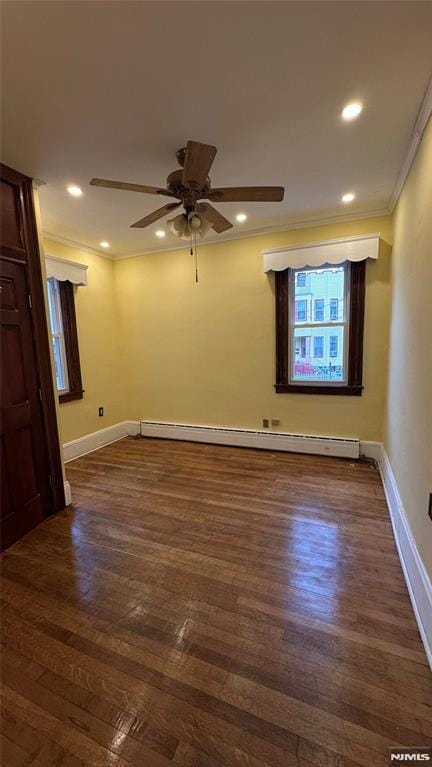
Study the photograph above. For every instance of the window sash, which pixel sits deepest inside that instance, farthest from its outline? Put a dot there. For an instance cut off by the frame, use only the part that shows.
(314, 325)
(57, 332)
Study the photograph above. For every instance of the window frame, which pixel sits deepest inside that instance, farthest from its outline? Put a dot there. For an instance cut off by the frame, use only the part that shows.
(70, 342)
(354, 337)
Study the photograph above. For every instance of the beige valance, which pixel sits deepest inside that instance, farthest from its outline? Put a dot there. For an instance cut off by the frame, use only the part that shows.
(320, 253)
(62, 269)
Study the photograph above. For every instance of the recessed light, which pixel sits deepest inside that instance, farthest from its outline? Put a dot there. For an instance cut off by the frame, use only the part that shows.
(241, 217)
(104, 244)
(348, 197)
(75, 191)
(352, 110)
(160, 233)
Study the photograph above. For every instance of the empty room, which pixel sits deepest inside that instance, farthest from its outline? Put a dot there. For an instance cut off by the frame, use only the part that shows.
(216, 383)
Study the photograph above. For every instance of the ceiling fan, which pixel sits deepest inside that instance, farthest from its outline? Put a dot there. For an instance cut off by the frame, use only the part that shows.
(190, 185)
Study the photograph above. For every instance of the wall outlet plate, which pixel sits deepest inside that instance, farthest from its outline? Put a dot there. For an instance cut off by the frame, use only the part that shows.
(275, 422)
(430, 505)
(266, 423)
(101, 411)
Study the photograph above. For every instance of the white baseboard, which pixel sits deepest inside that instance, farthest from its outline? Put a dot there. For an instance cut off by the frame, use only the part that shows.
(67, 493)
(97, 439)
(371, 450)
(417, 579)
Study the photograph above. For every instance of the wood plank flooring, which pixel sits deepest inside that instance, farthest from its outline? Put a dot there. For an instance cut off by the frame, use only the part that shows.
(206, 606)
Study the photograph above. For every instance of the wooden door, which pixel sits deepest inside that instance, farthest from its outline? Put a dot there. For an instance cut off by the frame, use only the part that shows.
(31, 477)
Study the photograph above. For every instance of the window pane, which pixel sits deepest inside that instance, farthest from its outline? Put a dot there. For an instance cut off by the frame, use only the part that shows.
(334, 309)
(56, 324)
(319, 295)
(60, 379)
(318, 354)
(54, 306)
(301, 311)
(319, 310)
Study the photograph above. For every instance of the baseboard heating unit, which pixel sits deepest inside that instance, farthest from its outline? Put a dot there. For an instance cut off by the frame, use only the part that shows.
(265, 440)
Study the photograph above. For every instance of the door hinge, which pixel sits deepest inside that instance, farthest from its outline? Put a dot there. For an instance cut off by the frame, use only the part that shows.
(40, 394)
(30, 301)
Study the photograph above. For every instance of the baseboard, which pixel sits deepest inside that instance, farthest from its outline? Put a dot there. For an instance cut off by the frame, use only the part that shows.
(67, 493)
(417, 579)
(90, 442)
(371, 450)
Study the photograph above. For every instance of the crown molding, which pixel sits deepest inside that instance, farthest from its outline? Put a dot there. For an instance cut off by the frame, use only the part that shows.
(420, 124)
(287, 227)
(78, 245)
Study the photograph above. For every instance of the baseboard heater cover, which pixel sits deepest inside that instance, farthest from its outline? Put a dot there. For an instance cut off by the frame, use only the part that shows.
(295, 443)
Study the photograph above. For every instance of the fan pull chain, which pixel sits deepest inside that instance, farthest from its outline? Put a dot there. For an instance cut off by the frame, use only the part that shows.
(196, 261)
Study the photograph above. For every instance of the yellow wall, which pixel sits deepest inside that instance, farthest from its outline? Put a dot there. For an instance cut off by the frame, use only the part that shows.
(98, 338)
(408, 432)
(204, 354)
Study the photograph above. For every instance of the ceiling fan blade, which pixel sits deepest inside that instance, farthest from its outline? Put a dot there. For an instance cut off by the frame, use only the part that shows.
(198, 161)
(156, 215)
(129, 187)
(247, 194)
(219, 222)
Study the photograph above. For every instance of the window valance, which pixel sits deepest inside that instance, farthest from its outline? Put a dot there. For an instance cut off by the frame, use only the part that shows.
(62, 269)
(319, 253)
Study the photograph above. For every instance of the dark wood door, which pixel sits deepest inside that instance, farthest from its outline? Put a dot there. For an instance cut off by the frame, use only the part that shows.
(25, 469)
(31, 476)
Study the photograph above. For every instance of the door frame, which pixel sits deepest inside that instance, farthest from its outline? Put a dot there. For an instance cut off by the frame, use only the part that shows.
(39, 330)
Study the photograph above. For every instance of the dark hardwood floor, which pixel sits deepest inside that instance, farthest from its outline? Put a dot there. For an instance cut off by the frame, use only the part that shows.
(203, 606)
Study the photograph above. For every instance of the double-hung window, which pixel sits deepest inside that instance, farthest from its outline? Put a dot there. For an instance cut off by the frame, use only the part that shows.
(64, 339)
(320, 351)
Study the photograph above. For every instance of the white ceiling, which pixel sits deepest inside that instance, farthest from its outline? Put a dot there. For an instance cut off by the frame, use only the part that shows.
(113, 89)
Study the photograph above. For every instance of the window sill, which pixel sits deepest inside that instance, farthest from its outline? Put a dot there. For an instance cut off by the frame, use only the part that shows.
(71, 395)
(343, 391)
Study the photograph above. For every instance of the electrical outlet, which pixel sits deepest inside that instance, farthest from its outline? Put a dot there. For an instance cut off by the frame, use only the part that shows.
(101, 412)
(265, 423)
(430, 505)
(275, 422)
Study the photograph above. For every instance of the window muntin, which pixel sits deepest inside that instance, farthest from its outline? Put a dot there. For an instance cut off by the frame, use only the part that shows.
(313, 357)
(57, 335)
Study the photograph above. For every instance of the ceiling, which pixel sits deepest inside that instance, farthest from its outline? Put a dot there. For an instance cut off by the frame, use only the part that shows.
(113, 89)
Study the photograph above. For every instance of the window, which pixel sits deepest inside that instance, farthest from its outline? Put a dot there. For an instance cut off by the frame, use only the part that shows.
(301, 310)
(319, 310)
(319, 346)
(64, 339)
(301, 279)
(323, 355)
(333, 346)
